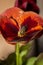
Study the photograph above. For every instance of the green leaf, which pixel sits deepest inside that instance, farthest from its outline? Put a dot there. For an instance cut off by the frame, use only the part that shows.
(25, 49)
(39, 60)
(31, 61)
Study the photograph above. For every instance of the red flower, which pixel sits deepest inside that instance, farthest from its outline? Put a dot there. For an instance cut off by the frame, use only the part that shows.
(20, 26)
(27, 5)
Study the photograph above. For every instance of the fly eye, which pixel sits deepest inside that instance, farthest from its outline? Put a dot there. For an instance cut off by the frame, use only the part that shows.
(14, 20)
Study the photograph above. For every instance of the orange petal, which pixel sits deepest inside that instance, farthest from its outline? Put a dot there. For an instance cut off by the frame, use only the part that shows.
(14, 12)
(9, 23)
(8, 28)
(33, 22)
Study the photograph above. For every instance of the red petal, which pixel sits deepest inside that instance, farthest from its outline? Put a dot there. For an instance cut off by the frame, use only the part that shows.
(14, 12)
(27, 5)
(8, 28)
(34, 24)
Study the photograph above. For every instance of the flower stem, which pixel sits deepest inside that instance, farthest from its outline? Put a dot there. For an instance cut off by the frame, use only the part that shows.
(17, 54)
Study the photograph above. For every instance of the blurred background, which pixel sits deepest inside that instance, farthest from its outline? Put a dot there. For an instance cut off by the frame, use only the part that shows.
(6, 49)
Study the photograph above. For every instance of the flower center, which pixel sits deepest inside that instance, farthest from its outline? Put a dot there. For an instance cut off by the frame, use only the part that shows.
(22, 31)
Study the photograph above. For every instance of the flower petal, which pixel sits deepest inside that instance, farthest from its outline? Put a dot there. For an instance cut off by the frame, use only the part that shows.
(33, 22)
(8, 28)
(14, 12)
(27, 5)
(9, 24)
